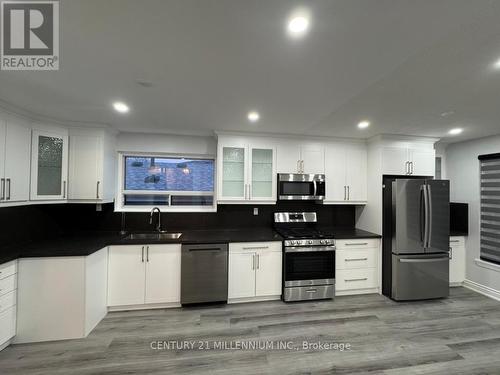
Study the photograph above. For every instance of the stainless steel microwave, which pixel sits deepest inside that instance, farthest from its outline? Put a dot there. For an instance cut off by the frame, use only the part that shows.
(301, 186)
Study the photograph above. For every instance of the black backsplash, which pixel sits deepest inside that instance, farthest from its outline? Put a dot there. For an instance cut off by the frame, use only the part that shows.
(27, 223)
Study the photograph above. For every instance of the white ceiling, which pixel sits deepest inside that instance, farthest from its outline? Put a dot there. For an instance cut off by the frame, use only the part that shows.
(397, 63)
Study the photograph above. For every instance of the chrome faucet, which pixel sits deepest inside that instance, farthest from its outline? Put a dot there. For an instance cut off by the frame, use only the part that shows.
(158, 224)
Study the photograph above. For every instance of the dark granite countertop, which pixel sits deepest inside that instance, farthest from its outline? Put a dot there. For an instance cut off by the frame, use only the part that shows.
(340, 233)
(83, 244)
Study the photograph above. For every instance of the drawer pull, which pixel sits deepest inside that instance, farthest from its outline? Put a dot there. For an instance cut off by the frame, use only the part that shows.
(355, 259)
(256, 248)
(362, 279)
(454, 241)
(311, 290)
(357, 244)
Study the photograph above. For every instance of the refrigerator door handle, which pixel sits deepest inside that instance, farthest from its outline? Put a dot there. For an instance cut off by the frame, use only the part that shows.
(429, 235)
(424, 260)
(421, 220)
(426, 217)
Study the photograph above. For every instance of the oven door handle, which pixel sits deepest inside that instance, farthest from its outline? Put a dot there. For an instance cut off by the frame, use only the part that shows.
(315, 188)
(311, 249)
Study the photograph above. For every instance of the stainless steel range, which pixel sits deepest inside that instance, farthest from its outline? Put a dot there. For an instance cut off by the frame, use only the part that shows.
(309, 257)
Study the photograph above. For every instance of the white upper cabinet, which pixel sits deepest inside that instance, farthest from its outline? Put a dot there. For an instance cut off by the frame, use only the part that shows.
(49, 164)
(416, 161)
(247, 172)
(296, 157)
(15, 144)
(346, 173)
(91, 165)
(423, 162)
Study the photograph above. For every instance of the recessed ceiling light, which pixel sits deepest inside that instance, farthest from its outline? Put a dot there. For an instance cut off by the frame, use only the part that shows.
(298, 25)
(496, 64)
(121, 107)
(363, 124)
(253, 116)
(455, 131)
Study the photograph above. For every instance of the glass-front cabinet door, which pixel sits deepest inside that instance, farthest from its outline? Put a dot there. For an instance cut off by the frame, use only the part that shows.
(49, 165)
(233, 182)
(262, 172)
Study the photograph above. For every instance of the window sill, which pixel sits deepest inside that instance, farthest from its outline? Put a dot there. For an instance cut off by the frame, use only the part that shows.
(487, 265)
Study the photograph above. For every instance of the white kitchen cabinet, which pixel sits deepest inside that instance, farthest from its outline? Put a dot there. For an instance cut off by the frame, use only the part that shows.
(295, 157)
(91, 165)
(457, 260)
(267, 280)
(163, 274)
(423, 161)
(49, 164)
(312, 158)
(8, 302)
(357, 266)
(247, 173)
(61, 298)
(254, 271)
(346, 173)
(126, 275)
(408, 161)
(144, 274)
(15, 146)
(241, 278)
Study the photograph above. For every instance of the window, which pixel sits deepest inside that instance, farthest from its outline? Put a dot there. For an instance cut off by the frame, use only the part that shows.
(438, 172)
(490, 207)
(176, 183)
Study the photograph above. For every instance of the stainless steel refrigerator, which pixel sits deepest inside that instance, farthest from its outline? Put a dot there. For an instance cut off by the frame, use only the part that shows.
(420, 239)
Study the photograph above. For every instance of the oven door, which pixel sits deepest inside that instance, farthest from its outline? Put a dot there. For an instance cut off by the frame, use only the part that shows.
(301, 187)
(309, 266)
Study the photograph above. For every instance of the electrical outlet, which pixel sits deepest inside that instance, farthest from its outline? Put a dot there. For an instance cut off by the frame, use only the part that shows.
(255, 211)
(98, 207)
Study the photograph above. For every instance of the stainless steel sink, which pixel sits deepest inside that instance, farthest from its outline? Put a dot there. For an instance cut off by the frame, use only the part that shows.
(154, 236)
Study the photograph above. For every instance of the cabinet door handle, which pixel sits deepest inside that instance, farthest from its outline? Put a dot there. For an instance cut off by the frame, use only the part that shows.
(360, 279)
(8, 189)
(97, 189)
(357, 244)
(348, 193)
(147, 253)
(451, 253)
(253, 261)
(345, 192)
(302, 166)
(407, 169)
(256, 247)
(2, 180)
(355, 259)
(298, 166)
(258, 261)
(411, 167)
(64, 189)
(142, 254)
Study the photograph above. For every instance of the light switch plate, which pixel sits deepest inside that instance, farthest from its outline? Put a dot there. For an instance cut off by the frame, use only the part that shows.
(255, 211)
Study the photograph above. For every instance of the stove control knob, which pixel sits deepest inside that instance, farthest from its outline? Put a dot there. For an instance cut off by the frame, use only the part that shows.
(322, 242)
(310, 242)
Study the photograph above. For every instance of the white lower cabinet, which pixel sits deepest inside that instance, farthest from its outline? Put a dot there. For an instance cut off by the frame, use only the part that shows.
(457, 260)
(60, 298)
(254, 271)
(8, 298)
(144, 274)
(357, 266)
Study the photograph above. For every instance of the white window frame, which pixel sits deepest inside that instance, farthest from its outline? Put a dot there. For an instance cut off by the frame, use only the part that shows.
(120, 191)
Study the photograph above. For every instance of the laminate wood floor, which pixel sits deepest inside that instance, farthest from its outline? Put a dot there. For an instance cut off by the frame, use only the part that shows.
(458, 335)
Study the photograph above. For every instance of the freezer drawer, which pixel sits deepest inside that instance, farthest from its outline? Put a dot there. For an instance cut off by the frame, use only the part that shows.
(204, 273)
(417, 277)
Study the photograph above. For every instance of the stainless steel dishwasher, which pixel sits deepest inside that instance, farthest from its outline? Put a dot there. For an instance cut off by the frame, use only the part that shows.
(204, 273)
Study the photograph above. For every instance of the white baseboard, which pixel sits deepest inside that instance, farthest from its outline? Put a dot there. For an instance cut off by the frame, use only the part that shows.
(5, 344)
(144, 307)
(339, 293)
(253, 299)
(482, 289)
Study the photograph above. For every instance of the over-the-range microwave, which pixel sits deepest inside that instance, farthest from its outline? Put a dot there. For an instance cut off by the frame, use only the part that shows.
(293, 186)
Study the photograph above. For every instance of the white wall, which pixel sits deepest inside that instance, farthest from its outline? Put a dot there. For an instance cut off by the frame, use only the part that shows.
(462, 169)
(166, 143)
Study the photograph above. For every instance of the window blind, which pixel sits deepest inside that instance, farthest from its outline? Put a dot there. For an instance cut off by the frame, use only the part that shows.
(490, 207)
